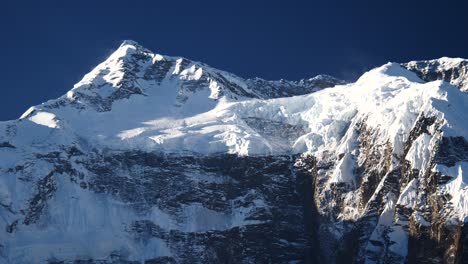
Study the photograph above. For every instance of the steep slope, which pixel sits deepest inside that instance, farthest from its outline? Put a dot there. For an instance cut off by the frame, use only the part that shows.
(134, 70)
(158, 159)
(451, 70)
(152, 101)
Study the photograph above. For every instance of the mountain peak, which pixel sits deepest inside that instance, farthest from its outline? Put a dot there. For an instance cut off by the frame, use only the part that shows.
(129, 42)
(129, 47)
(133, 45)
(132, 70)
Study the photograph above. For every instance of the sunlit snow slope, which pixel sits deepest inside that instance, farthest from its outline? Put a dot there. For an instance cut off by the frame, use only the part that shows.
(137, 99)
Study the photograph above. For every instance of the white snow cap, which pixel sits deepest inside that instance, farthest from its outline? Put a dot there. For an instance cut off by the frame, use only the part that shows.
(168, 116)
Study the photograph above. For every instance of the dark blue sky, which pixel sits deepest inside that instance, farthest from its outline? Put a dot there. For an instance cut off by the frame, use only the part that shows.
(47, 46)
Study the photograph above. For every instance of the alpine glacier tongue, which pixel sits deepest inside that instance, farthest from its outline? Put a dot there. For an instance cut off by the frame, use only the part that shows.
(166, 160)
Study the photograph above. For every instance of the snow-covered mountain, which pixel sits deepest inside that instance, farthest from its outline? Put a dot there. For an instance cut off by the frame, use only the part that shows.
(157, 159)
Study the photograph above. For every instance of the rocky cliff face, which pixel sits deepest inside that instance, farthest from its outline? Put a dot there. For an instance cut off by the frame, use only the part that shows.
(155, 159)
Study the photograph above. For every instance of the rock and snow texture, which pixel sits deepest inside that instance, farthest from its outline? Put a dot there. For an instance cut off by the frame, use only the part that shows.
(157, 158)
(451, 70)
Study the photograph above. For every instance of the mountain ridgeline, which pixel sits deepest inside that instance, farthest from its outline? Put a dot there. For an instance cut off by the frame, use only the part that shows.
(158, 159)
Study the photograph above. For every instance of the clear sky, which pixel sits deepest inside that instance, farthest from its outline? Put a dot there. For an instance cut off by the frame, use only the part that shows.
(46, 46)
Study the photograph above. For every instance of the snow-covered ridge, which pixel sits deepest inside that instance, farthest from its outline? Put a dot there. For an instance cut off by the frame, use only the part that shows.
(140, 100)
(452, 70)
(388, 98)
(133, 69)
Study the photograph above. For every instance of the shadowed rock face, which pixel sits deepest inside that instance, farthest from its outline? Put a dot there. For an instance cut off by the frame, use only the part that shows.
(424, 233)
(235, 209)
(269, 209)
(270, 190)
(224, 207)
